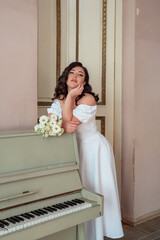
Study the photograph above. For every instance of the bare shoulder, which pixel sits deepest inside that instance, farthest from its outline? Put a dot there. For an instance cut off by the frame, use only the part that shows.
(88, 99)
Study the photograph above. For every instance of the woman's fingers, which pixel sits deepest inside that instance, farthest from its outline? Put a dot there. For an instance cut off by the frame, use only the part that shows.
(74, 123)
(71, 126)
(77, 91)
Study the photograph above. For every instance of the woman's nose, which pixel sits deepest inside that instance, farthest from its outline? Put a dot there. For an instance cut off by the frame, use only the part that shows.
(75, 75)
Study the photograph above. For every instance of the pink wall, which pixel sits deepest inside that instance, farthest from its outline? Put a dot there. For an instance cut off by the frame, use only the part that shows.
(147, 105)
(141, 115)
(128, 98)
(18, 61)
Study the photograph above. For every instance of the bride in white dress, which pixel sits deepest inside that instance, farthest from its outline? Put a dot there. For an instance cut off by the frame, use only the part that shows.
(75, 102)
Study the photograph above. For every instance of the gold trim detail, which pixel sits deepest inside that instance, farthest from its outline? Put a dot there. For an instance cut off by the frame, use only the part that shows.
(104, 30)
(58, 39)
(77, 30)
(44, 104)
(102, 119)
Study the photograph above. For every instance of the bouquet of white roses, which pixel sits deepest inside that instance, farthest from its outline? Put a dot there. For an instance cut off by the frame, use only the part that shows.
(49, 126)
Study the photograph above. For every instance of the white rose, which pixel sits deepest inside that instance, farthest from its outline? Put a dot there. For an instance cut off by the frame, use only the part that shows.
(36, 127)
(52, 122)
(56, 129)
(53, 116)
(50, 133)
(43, 119)
(42, 130)
(41, 126)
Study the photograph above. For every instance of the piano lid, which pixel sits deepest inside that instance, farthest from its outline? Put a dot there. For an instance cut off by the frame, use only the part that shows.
(28, 152)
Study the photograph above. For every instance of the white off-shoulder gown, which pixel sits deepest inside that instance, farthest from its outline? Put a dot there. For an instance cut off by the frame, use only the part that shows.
(97, 168)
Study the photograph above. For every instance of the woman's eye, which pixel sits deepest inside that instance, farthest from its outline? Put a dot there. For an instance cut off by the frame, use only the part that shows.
(71, 73)
(81, 75)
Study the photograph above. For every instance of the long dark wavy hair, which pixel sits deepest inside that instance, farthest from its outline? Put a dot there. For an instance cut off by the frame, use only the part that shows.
(61, 89)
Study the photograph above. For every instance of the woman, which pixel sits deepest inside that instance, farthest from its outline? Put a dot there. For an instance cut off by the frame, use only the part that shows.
(76, 103)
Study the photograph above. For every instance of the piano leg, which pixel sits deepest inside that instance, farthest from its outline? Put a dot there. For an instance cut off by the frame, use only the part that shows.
(81, 233)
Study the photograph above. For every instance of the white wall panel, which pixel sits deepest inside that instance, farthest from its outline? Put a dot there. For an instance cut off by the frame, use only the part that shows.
(46, 49)
(71, 33)
(90, 40)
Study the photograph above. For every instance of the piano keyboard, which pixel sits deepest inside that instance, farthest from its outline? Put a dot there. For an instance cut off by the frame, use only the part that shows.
(25, 220)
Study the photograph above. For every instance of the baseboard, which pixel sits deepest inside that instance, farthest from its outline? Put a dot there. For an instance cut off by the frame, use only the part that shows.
(141, 219)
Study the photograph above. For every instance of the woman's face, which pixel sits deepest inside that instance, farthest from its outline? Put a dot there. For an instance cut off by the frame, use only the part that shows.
(76, 77)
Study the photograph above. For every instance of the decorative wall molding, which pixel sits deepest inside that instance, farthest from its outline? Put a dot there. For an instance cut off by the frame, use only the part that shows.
(102, 119)
(58, 37)
(44, 104)
(104, 30)
(58, 49)
(77, 29)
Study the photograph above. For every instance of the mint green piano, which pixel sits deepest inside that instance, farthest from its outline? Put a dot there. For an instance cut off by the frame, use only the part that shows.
(41, 193)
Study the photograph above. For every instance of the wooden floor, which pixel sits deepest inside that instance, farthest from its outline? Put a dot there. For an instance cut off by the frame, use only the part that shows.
(145, 231)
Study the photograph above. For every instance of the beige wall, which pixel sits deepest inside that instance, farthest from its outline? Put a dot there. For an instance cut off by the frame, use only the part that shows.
(141, 115)
(18, 61)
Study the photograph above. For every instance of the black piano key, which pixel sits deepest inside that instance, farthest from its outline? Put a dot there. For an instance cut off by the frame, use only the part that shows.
(25, 216)
(4, 222)
(48, 209)
(20, 218)
(11, 220)
(15, 219)
(64, 205)
(54, 209)
(44, 211)
(70, 203)
(58, 207)
(75, 203)
(30, 215)
(41, 212)
(78, 201)
(36, 213)
(1, 225)
(61, 205)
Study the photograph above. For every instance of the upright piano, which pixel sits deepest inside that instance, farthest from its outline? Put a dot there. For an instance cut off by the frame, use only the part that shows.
(41, 193)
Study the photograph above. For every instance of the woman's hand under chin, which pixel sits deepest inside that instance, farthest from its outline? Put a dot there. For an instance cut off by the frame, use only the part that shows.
(76, 91)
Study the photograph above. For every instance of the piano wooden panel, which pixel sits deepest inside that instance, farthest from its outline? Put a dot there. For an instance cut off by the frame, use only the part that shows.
(44, 173)
(27, 152)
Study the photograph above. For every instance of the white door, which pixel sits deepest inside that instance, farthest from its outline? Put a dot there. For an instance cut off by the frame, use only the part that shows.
(88, 31)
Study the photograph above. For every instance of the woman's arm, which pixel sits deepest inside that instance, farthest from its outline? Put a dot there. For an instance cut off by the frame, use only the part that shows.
(70, 103)
(49, 114)
(70, 126)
